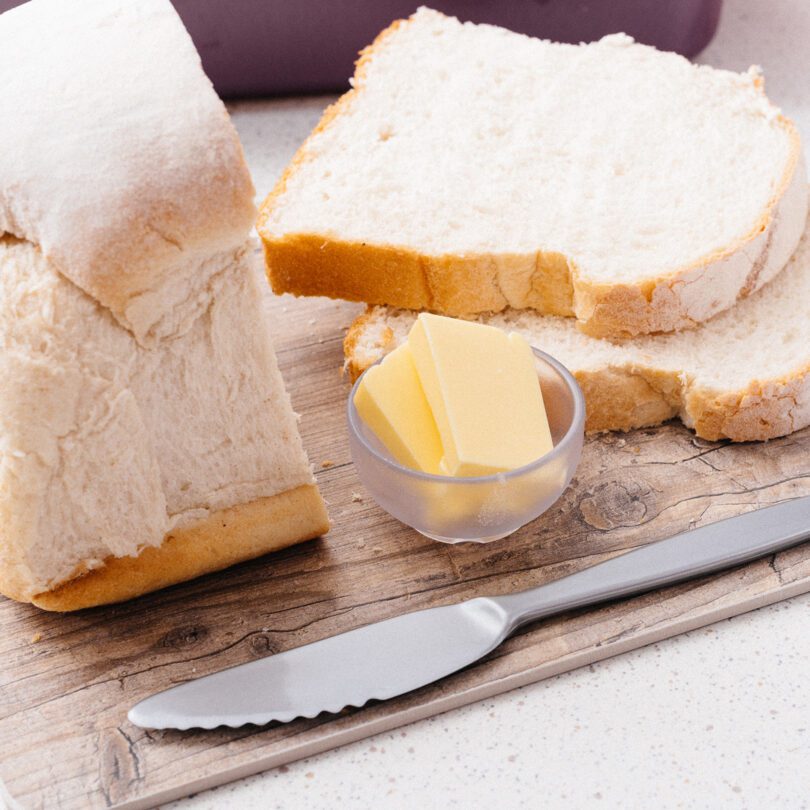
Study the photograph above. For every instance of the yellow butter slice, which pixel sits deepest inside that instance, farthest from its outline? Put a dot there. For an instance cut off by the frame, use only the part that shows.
(482, 388)
(391, 401)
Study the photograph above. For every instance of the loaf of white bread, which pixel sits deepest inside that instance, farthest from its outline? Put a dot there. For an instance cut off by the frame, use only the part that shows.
(743, 375)
(145, 433)
(471, 169)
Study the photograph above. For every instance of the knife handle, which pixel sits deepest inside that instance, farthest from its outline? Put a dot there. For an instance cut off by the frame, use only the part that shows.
(691, 554)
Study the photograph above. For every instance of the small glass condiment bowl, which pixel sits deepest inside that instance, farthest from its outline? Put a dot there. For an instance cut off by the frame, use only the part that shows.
(483, 508)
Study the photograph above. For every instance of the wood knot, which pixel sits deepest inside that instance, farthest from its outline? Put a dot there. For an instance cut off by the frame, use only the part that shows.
(181, 638)
(613, 505)
(261, 645)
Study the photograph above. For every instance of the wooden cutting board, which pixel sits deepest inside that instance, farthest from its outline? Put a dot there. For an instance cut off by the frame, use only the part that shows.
(66, 682)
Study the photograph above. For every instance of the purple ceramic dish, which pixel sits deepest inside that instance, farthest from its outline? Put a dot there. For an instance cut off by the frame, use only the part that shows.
(271, 47)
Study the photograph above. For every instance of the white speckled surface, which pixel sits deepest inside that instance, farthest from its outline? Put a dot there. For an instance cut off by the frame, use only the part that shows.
(716, 718)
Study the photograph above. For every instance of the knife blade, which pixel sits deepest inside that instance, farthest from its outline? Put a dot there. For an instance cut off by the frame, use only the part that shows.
(400, 654)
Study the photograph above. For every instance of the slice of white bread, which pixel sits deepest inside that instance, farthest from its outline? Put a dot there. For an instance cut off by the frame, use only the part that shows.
(744, 375)
(145, 433)
(472, 169)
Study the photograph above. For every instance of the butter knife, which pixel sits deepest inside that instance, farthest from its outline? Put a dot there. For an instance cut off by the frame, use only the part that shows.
(395, 656)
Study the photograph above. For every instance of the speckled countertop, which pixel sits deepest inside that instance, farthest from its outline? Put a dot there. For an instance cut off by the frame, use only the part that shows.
(716, 718)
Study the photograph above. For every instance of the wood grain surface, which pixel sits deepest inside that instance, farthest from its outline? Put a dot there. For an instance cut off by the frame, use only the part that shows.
(66, 681)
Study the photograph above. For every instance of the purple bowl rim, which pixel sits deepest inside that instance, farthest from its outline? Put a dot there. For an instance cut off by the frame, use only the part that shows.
(576, 428)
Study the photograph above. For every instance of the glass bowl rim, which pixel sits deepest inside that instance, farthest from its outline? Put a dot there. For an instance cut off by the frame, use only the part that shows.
(576, 427)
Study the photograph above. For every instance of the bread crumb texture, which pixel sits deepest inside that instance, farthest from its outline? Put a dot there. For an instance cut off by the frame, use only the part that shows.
(108, 445)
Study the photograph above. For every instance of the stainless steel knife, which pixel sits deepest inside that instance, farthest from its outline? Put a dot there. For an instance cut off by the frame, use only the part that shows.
(403, 653)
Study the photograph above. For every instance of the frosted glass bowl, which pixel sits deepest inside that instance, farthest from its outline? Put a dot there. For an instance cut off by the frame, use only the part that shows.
(487, 507)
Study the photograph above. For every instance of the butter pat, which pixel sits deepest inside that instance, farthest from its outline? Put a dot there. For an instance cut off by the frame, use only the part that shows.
(482, 388)
(391, 401)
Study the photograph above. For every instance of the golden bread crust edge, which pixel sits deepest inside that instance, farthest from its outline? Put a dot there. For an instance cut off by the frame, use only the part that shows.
(311, 264)
(226, 537)
(622, 398)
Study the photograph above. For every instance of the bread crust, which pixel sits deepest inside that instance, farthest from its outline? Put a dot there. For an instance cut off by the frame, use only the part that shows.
(313, 264)
(225, 538)
(122, 195)
(623, 398)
